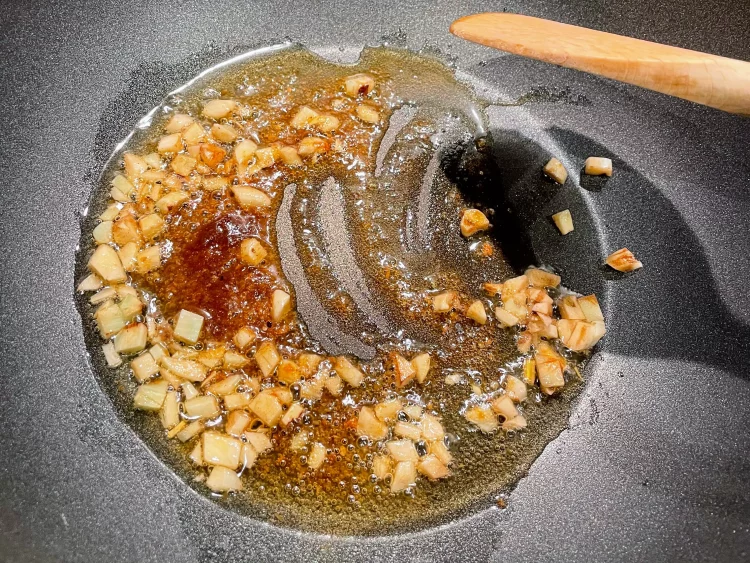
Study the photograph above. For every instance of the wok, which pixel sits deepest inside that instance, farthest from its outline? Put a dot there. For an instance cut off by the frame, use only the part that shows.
(653, 464)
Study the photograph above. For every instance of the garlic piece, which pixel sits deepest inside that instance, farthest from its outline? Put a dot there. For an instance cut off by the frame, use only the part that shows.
(305, 116)
(308, 363)
(404, 476)
(402, 450)
(597, 166)
(103, 232)
(171, 201)
(370, 426)
(504, 406)
(178, 123)
(432, 428)
(542, 278)
(403, 370)
(359, 85)
(407, 430)
(244, 338)
(144, 367)
(317, 456)
(290, 156)
(267, 357)
(150, 396)
(170, 411)
(217, 109)
(387, 411)
(185, 369)
(148, 259)
(222, 480)
(563, 221)
(421, 365)
(244, 151)
(555, 170)
(293, 413)
(267, 408)
(188, 327)
(194, 134)
(121, 189)
(107, 265)
(483, 417)
(569, 308)
(237, 421)
(549, 368)
(250, 198)
(326, 123)
(220, 449)
(431, 467)
(109, 319)
(223, 133)
(288, 372)
(252, 252)
(260, 441)
(212, 154)
(515, 423)
(281, 305)
(131, 339)
(473, 221)
(170, 143)
(516, 389)
(381, 467)
(623, 261)
(111, 356)
(368, 113)
(590, 307)
(444, 302)
(183, 164)
(440, 450)
(477, 312)
(202, 406)
(190, 431)
(311, 146)
(346, 370)
(506, 319)
(151, 225)
(334, 385)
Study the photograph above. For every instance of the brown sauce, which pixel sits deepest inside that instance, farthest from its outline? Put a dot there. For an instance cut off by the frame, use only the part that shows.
(396, 273)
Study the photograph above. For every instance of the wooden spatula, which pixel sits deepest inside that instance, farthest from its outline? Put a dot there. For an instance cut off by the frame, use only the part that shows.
(711, 80)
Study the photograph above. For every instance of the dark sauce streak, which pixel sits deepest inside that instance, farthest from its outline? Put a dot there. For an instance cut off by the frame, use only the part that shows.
(204, 272)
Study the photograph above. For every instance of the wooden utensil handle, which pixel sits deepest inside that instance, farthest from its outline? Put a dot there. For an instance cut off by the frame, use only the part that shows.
(711, 80)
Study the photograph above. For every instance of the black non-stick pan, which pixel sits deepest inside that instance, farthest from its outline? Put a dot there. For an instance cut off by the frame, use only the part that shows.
(653, 465)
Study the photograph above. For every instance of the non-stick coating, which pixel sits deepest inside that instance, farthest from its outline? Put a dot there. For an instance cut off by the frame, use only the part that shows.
(654, 465)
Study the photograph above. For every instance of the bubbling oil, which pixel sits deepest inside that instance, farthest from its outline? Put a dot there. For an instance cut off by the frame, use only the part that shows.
(363, 240)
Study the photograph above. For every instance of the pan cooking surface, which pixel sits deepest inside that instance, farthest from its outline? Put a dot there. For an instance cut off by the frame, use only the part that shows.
(652, 464)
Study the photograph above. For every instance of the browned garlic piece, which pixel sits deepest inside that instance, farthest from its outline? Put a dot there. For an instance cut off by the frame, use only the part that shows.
(359, 85)
(403, 370)
(555, 170)
(598, 166)
(252, 252)
(473, 221)
(482, 417)
(444, 302)
(623, 261)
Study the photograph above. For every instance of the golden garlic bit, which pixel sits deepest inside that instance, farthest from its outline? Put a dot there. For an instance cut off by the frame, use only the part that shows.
(546, 327)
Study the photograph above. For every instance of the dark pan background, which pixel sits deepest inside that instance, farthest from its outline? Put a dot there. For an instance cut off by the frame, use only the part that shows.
(654, 466)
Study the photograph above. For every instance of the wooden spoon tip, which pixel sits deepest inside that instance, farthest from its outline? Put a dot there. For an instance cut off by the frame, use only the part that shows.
(459, 27)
